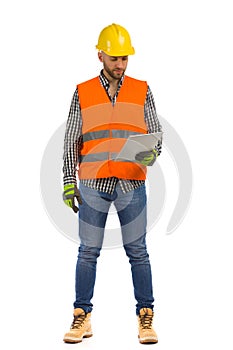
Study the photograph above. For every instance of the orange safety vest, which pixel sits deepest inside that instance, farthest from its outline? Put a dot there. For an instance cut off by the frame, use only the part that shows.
(105, 129)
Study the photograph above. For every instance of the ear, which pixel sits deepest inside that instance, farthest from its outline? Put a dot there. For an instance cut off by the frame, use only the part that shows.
(100, 56)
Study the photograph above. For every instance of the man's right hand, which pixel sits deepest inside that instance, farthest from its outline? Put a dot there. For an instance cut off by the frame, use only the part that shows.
(70, 193)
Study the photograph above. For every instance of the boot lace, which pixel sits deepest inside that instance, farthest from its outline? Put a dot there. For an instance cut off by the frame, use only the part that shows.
(146, 321)
(78, 321)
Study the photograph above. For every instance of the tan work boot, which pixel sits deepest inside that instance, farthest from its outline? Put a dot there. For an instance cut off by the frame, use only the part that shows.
(146, 332)
(80, 328)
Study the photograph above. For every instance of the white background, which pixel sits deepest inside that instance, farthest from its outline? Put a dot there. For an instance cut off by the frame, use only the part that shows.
(184, 51)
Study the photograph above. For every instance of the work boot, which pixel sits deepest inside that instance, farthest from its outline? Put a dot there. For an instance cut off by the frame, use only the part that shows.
(80, 328)
(146, 332)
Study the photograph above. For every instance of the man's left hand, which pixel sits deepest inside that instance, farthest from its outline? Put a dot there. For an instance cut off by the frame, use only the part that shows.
(147, 158)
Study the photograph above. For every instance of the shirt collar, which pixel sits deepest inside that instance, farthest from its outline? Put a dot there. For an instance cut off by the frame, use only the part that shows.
(105, 81)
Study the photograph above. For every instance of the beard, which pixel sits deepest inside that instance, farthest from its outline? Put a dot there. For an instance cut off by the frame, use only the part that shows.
(114, 73)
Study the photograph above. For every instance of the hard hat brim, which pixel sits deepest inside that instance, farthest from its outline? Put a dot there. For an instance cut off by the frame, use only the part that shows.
(117, 53)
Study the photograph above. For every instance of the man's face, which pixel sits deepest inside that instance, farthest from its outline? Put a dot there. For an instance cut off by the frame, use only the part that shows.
(114, 66)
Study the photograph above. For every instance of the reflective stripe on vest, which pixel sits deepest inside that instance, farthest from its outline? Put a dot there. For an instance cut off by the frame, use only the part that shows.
(105, 129)
(106, 134)
(97, 157)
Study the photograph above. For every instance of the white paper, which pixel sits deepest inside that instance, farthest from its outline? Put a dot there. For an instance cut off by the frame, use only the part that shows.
(138, 143)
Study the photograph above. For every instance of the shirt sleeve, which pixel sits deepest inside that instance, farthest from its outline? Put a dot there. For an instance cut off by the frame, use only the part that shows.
(71, 142)
(151, 118)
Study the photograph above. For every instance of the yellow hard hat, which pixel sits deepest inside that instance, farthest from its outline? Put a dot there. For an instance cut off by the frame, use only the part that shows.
(114, 40)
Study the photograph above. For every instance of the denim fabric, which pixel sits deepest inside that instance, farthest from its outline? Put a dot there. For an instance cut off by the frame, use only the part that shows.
(131, 210)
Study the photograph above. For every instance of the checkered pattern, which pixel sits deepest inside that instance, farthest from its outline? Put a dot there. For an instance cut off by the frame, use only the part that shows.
(73, 140)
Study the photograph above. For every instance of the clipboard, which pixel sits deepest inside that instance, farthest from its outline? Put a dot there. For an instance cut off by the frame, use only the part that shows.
(138, 143)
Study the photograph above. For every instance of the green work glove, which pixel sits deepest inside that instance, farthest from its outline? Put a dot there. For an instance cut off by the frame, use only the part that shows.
(70, 193)
(147, 158)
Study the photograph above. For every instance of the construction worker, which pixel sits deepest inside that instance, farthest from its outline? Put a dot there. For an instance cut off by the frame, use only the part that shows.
(104, 112)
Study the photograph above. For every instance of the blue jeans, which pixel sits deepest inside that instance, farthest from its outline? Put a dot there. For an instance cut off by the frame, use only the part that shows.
(131, 210)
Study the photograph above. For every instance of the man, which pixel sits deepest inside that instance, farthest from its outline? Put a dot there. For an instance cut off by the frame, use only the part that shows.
(104, 112)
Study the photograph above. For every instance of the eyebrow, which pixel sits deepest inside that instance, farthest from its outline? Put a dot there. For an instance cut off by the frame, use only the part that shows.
(115, 57)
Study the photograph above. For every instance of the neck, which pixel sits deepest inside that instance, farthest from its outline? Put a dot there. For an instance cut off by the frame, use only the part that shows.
(112, 81)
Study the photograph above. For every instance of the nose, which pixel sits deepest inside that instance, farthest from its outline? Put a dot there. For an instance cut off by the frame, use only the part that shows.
(120, 63)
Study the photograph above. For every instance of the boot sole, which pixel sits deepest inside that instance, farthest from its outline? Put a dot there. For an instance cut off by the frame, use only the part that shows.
(77, 340)
(148, 340)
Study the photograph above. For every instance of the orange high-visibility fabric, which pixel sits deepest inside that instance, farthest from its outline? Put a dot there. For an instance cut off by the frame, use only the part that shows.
(98, 114)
